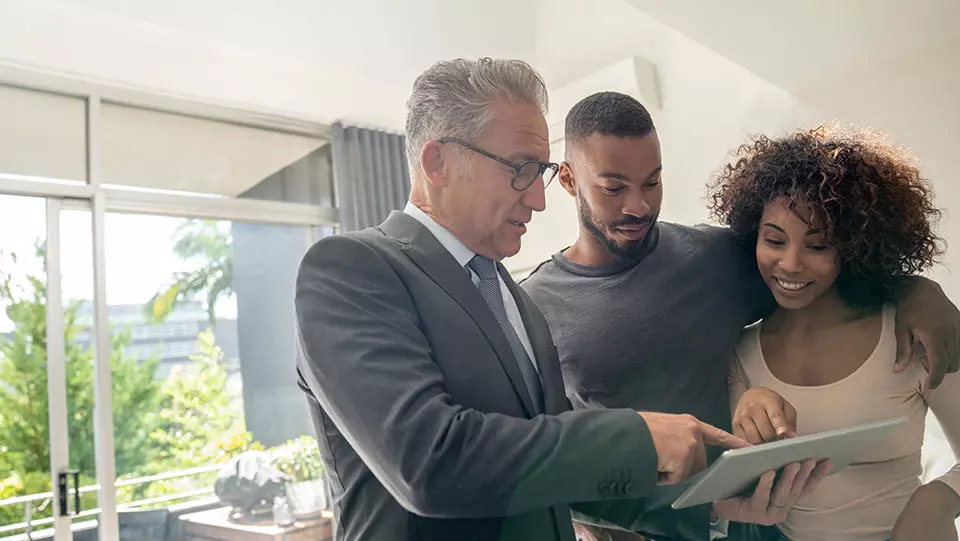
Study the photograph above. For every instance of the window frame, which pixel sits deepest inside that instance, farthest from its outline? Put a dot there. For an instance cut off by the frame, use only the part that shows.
(99, 200)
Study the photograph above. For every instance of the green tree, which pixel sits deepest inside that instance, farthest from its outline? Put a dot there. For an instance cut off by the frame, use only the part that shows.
(198, 419)
(24, 401)
(24, 404)
(208, 243)
(188, 420)
(200, 423)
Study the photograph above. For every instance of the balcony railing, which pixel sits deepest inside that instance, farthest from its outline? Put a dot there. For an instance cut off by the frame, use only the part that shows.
(46, 498)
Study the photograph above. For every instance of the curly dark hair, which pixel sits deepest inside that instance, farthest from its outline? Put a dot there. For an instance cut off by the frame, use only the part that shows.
(864, 191)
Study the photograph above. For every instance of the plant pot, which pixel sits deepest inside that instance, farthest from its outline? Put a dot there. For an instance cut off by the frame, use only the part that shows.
(308, 498)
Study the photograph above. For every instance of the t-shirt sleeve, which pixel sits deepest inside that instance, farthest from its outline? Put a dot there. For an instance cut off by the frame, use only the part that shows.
(750, 284)
(760, 298)
(944, 402)
(736, 381)
(755, 290)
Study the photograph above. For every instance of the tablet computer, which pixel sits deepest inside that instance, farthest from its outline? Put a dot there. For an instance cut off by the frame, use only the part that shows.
(738, 470)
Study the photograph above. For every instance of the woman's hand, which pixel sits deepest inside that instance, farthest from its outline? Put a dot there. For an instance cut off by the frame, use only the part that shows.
(762, 415)
(771, 501)
(929, 515)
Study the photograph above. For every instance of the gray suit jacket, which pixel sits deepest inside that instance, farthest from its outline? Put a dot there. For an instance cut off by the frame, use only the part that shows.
(421, 412)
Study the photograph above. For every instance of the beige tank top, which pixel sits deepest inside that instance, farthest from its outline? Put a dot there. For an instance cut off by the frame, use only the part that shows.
(863, 501)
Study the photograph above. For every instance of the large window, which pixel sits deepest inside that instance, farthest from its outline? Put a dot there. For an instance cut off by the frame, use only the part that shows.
(47, 382)
(170, 233)
(202, 322)
(201, 352)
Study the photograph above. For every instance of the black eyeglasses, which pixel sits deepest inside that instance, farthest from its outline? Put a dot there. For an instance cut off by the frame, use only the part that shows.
(525, 172)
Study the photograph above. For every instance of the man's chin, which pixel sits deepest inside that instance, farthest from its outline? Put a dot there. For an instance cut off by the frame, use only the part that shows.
(627, 250)
(508, 248)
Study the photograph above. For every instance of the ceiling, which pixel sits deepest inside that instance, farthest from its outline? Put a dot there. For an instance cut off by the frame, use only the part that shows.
(385, 39)
(384, 44)
(797, 44)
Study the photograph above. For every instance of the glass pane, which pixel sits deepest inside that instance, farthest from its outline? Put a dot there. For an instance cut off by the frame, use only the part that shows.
(76, 269)
(24, 408)
(201, 312)
(24, 401)
(162, 151)
(44, 135)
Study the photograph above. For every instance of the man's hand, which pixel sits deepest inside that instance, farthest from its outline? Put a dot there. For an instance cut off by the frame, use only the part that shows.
(769, 503)
(680, 443)
(927, 318)
(929, 515)
(763, 415)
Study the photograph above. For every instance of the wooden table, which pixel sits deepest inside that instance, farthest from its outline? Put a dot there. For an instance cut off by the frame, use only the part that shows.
(214, 525)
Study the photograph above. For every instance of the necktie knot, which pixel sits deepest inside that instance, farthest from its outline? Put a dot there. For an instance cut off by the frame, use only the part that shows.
(485, 267)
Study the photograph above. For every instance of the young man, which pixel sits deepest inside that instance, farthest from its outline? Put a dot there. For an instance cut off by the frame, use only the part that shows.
(645, 314)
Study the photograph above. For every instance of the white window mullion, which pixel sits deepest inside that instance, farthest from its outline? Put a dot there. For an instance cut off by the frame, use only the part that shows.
(104, 447)
(56, 374)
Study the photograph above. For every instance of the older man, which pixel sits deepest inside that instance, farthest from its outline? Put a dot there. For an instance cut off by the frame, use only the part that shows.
(432, 378)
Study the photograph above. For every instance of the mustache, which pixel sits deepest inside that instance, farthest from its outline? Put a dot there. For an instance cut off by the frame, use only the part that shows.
(632, 221)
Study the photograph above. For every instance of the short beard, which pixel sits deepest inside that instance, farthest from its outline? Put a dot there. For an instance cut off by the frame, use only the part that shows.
(623, 254)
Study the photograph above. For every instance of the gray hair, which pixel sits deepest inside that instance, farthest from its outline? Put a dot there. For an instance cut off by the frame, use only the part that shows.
(451, 99)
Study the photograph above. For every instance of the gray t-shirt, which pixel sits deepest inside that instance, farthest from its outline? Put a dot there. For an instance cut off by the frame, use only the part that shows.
(656, 335)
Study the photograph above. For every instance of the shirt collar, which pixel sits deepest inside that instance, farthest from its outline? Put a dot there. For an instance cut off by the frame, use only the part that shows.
(457, 249)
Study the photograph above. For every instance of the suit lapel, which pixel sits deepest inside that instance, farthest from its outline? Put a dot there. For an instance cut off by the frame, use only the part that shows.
(437, 263)
(554, 397)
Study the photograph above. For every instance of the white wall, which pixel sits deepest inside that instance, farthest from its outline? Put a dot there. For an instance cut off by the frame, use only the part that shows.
(793, 43)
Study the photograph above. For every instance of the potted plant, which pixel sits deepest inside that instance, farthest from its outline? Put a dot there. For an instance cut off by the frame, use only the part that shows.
(300, 461)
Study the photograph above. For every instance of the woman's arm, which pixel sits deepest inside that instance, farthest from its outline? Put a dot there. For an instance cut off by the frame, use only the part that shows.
(944, 402)
(932, 509)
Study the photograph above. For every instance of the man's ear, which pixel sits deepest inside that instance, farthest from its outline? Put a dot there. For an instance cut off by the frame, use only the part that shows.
(433, 163)
(566, 179)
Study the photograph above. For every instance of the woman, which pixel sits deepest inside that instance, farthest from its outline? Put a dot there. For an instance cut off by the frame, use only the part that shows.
(839, 218)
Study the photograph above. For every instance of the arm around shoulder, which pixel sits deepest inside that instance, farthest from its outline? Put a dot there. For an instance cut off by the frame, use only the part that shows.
(926, 316)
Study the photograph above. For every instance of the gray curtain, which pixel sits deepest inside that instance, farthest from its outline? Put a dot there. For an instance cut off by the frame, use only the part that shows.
(370, 174)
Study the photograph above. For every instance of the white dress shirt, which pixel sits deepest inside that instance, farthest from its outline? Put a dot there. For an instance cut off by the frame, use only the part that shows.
(463, 255)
